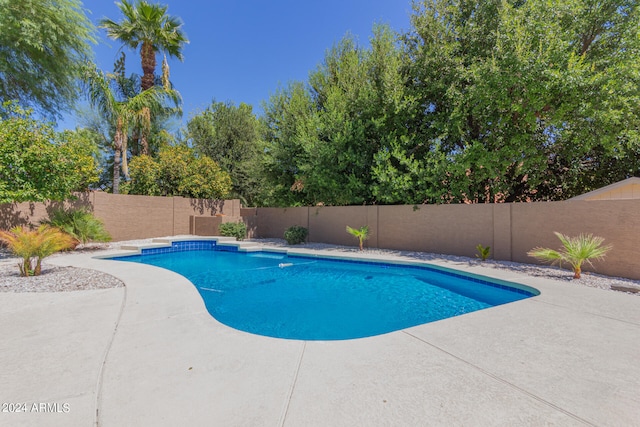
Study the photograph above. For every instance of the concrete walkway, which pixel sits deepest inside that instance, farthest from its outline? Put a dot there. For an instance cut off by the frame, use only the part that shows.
(151, 355)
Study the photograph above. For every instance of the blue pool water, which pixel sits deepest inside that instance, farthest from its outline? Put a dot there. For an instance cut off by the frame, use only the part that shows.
(321, 299)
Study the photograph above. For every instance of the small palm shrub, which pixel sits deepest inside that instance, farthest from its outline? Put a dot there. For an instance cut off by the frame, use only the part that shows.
(575, 251)
(80, 224)
(483, 252)
(35, 245)
(296, 234)
(233, 229)
(361, 234)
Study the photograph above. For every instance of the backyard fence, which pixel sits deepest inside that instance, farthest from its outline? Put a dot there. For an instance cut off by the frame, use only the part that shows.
(129, 217)
(510, 229)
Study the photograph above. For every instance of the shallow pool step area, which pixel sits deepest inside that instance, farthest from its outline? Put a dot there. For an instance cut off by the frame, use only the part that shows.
(222, 242)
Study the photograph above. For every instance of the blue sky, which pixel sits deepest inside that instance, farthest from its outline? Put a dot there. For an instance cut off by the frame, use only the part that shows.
(243, 51)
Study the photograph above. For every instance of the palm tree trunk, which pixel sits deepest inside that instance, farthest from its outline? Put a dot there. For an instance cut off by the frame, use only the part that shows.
(148, 56)
(116, 171)
(145, 128)
(117, 152)
(125, 164)
(144, 144)
(26, 267)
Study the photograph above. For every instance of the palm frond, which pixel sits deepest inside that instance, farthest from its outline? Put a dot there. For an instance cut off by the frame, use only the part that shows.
(575, 251)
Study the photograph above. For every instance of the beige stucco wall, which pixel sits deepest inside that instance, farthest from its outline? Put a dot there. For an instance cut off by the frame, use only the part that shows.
(618, 221)
(272, 222)
(128, 216)
(510, 229)
(436, 228)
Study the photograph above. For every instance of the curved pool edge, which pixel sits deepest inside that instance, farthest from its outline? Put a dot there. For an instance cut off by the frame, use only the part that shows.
(249, 246)
(374, 364)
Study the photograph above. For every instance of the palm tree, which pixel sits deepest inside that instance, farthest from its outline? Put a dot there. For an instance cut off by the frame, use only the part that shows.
(124, 113)
(575, 251)
(361, 234)
(149, 27)
(35, 245)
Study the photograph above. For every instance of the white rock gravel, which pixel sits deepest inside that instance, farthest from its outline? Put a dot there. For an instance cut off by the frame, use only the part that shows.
(59, 279)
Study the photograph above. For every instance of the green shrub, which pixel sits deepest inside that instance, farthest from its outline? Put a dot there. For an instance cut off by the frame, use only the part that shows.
(296, 234)
(233, 229)
(79, 224)
(483, 252)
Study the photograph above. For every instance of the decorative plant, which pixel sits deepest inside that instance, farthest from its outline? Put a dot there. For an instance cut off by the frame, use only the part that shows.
(361, 234)
(80, 224)
(35, 245)
(483, 252)
(296, 234)
(575, 251)
(233, 229)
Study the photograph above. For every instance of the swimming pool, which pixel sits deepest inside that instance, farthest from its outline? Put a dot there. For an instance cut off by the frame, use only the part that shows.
(315, 298)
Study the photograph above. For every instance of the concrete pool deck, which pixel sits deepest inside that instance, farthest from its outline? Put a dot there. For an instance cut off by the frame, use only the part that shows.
(150, 354)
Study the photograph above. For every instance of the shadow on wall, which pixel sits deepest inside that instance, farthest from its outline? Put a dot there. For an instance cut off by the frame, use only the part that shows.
(11, 216)
(32, 213)
(211, 207)
(81, 202)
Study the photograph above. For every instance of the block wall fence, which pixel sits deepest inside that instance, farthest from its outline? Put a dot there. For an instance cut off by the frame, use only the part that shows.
(511, 229)
(128, 217)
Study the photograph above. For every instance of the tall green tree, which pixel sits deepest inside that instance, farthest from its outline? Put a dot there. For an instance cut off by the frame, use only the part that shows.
(230, 135)
(43, 44)
(125, 113)
(148, 27)
(288, 120)
(523, 100)
(323, 138)
(37, 163)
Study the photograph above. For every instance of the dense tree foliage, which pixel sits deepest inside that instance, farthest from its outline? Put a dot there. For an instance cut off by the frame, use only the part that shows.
(480, 101)
(322, 138)
(126, 111)
(486, 101)
(524, 100)
(230, 135)
(37, 163)
(43, 44)
(178, 171)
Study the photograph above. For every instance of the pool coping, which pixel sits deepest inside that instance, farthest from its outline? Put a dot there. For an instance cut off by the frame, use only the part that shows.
(142, 354)
(363, 257)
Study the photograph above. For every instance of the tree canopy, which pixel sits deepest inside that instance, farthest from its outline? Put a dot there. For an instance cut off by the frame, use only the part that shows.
(231, 136)
(147, 26)
(178, 171)
(43, 44)
(481, 101)
(124, 111)
(38, 164)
